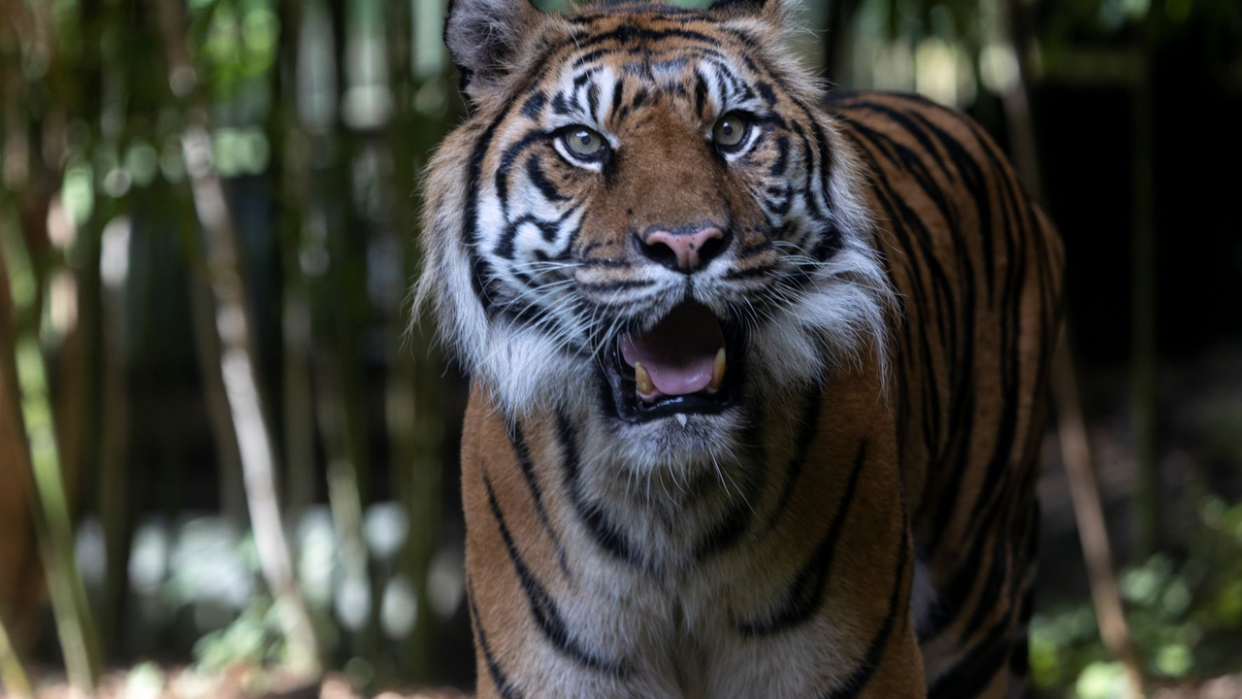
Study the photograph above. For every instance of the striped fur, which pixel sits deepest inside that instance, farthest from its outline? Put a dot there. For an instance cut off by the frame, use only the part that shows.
(862, 522)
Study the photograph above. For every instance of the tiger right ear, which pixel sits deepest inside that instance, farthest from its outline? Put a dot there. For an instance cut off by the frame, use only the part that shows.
(484, 38)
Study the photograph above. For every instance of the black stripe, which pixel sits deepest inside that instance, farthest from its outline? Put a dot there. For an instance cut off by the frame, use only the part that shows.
(618, 96)
(728, 531)
(767, 93)
(955, 595)
(536, 492)
(504, 687)
(506, 165)
(593, 101)
(857, 682)
(782, 157)
(626, 33)
(1020, 659)
(905, 225)
(543, 607)
(618, 285)
(806, 591)
(505, 247)
(973, 673)
(986, 604)
(604, 533)
(802, 447)
(537, 177)
(700, 94)
(559, 105)
(533, 107)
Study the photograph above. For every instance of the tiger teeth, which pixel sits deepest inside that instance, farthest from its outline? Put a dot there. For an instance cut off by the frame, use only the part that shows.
(681, 418)
(718, 372)
(643, 379)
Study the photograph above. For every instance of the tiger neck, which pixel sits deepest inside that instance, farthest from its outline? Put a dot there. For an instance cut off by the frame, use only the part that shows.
(593, 506)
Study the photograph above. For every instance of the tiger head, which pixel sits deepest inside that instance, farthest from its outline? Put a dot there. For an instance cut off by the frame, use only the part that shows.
(646, 219)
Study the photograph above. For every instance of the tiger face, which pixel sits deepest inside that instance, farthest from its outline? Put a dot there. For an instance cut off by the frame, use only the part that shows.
(646, 221)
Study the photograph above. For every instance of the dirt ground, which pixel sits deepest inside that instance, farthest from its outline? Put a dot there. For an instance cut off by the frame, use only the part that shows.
(1221, 688)
(179, 684)
(153, 683)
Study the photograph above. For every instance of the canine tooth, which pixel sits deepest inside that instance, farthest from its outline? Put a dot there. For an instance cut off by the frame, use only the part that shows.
(643, 379)
(718, 371)
(681, 417)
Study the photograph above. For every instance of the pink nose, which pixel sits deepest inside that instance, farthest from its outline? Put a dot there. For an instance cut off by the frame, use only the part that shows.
(683, 251)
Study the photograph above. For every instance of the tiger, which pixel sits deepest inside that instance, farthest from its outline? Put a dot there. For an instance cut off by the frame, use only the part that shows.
(758, 369)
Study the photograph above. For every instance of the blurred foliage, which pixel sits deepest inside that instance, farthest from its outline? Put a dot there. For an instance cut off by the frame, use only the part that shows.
(1185, 615)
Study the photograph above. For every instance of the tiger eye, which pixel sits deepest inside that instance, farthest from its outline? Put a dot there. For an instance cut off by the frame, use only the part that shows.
(584, 143)
(730, 131)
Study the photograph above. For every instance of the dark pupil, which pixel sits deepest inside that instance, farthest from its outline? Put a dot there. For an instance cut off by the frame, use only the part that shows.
(585, 138)
(728, 129)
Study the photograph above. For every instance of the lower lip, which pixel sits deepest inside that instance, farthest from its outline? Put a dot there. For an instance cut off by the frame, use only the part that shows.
(621, 394)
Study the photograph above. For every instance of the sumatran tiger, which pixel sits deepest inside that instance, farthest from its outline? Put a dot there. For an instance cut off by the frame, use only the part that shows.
(758, 372)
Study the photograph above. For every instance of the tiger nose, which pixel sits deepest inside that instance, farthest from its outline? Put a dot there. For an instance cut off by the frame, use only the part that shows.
(683, 251)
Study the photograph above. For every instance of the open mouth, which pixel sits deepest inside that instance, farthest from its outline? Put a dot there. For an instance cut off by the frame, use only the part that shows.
(689, 363)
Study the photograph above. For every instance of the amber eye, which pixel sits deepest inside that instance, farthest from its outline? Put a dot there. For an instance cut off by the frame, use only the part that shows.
(730, 132)
(584, 143)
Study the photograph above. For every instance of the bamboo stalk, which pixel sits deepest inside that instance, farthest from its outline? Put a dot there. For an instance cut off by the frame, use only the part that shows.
(215, 398)
(341, 312)
(114, 484)
(1144, 372)
(416, 384)
(289, 177)
(241, 387)
(237, 355)
(21, 581)
(12, 675)
(26, 384)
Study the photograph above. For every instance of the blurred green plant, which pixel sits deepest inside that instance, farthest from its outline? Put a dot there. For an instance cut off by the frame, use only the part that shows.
(1185, 614)
(253, 639)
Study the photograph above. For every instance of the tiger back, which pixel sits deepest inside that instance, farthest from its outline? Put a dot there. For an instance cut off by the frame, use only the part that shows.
(758, 379)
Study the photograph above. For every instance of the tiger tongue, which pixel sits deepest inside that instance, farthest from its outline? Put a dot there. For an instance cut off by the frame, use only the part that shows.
(679, 353)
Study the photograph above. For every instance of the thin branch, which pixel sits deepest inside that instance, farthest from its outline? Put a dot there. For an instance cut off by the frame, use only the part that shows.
(1075, 452)
(1088, 513)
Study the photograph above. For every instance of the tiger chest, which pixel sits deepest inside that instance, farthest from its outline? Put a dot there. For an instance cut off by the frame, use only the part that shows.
(686, 639)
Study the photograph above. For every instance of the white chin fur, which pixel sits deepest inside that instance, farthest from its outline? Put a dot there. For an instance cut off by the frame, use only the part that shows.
(705, 441)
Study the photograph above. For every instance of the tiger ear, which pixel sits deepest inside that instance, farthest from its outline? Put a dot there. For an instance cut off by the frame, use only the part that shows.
(777, 12)
(484, 38)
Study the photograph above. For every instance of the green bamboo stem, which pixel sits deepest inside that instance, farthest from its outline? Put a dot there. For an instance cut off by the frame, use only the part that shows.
(238, 366)
(1149, 497)
(12, 675)
(416, 385)
(22, 360)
